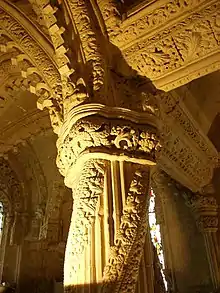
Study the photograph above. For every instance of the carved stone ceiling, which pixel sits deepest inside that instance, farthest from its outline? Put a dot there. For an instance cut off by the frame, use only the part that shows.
(171, 42)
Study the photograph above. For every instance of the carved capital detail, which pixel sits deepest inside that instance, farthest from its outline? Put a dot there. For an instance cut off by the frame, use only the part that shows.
(205, 211)
(97, 136)
(207, 223)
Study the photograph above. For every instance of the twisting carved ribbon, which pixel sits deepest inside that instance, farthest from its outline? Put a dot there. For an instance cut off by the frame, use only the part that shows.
(121, 272)
(86, 196)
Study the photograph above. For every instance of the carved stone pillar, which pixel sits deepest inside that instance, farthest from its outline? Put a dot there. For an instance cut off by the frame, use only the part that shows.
(106, 163)
(205, 211)
(107, 139)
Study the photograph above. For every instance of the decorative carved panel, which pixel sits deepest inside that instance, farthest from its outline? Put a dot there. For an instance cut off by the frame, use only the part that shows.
(172, 42)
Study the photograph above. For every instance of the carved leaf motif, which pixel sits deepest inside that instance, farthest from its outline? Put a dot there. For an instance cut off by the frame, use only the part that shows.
(104, 134)
(216, 27)
(157, 57)
(190, 44)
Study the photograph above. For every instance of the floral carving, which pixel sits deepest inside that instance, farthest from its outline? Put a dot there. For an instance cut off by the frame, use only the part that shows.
(134, 27)
(80, 14)
(208, 223)
(188, 41)
(100, 134)
(111, 15)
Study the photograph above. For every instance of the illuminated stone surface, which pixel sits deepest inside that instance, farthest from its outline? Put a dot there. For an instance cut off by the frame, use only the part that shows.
(109, 73)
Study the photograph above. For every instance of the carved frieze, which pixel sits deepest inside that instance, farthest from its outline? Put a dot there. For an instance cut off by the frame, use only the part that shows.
(169, 48)
(186, 154)
(151, 18)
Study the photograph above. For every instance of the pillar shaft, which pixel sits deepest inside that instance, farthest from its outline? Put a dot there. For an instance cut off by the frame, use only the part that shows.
(108, 228)
(106, 162)
(205, 211)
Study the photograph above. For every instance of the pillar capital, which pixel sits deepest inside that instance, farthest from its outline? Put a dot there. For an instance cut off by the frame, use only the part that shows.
(98, 131)
(205, 211)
